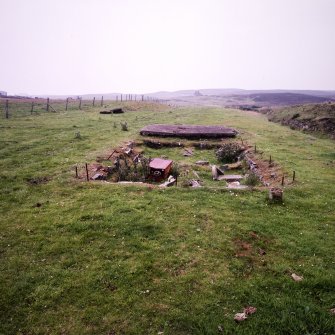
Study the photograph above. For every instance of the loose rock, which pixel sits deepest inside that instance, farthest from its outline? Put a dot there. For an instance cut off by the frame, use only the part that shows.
(295, 277)
(239, 317)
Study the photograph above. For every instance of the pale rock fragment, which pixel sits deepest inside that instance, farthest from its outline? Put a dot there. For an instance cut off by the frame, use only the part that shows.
(295, 277)
(239, 317)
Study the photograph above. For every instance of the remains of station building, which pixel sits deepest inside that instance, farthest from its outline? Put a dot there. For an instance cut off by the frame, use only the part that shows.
(237, 165)
(188, 131)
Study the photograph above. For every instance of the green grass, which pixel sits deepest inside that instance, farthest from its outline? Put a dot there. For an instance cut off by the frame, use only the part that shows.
(97, 258)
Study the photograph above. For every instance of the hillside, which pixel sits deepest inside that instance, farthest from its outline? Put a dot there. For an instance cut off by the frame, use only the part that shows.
(277, 99)
(312, 117)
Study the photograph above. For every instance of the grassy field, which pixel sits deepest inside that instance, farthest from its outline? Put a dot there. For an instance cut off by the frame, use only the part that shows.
(94, 258)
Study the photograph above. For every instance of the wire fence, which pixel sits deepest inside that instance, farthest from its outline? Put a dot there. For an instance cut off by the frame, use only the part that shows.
(18, 107)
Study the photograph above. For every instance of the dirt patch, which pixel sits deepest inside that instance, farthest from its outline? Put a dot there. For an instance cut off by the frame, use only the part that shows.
(268, 171)
(243, 248)
(252, 246)
(37, 180)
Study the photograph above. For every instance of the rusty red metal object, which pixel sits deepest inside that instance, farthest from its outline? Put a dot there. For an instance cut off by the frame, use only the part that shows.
(158, 163)
(159, 169)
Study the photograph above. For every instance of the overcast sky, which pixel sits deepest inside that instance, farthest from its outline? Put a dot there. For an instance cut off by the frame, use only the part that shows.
(129, 46)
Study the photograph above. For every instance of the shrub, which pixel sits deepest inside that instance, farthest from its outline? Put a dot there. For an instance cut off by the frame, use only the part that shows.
(228, 152)
(175, 171)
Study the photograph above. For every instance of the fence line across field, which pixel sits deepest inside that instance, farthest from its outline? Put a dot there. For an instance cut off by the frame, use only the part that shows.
(55, 105)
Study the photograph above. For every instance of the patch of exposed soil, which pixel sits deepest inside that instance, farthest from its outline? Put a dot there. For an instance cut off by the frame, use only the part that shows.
(269, 172)
(38, 180)
(253, 246)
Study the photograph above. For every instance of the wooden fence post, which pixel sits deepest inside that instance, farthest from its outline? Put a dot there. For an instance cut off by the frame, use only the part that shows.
(32, 108)
(7, 109)
(67, 102)
(79, 103)
(76, 171)
(102, 101)
(283, 180)
(87, 177)
(93, 103)
(293, 178)
(47, 107)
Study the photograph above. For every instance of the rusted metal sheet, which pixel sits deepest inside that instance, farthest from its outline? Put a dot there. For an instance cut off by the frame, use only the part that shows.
(188, 131)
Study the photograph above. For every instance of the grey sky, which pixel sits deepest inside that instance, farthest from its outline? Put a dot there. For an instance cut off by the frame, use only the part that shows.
(95, 46)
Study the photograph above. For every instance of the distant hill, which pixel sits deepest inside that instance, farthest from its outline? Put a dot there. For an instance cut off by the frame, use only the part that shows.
(237, 97)
(191, 93)
(231, 97)
(287, 98)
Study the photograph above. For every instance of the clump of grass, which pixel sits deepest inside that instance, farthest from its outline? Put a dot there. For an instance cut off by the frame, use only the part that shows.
(124, 126)
(251, 179)
(175, 171)
(77, 135)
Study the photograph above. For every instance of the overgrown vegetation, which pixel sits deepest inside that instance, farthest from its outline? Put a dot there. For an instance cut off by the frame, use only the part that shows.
(127, 169)
(251, 179)
(228, 152)
(94, 258)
